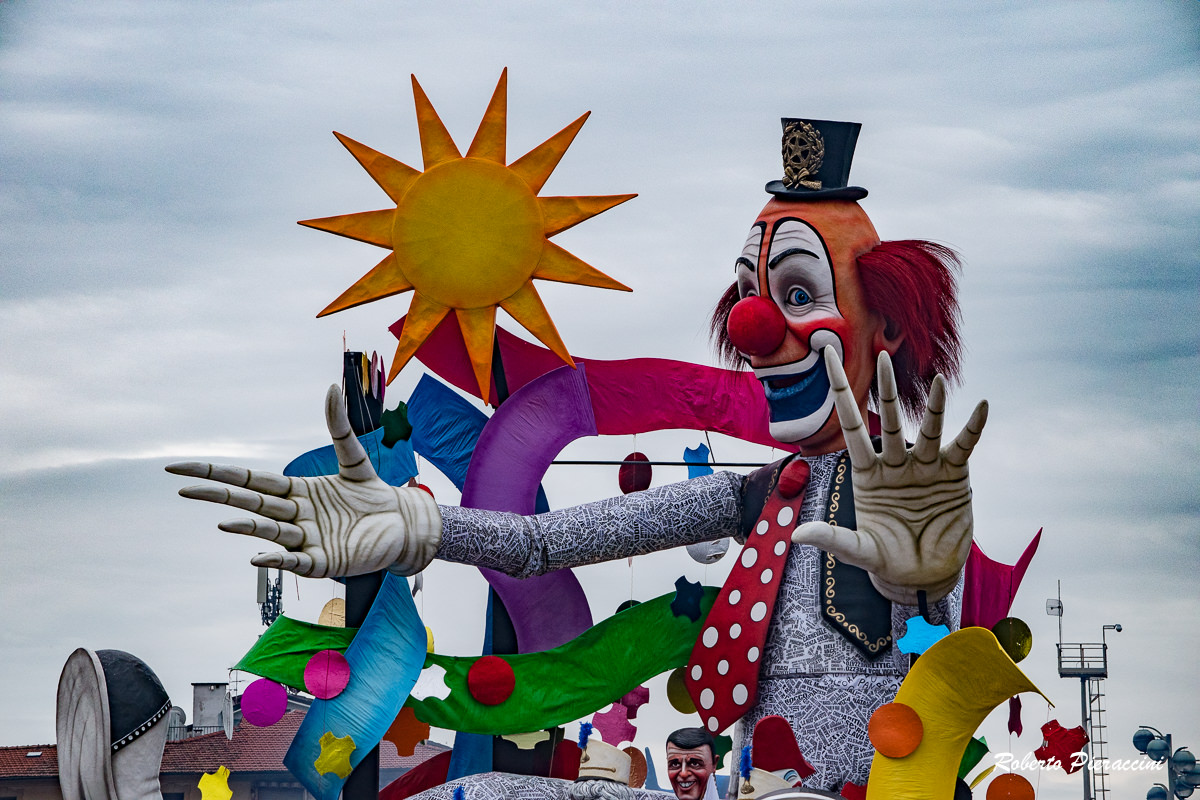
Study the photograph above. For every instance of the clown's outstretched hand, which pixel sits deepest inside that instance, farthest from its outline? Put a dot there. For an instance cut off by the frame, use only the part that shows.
(351, 523)
(913, 506)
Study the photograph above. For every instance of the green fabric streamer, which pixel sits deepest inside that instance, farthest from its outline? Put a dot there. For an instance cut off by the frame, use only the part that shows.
(283, 651)
(598, 667)
(554, 687)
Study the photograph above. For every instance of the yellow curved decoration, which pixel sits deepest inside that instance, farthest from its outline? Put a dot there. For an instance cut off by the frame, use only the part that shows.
(953, 687)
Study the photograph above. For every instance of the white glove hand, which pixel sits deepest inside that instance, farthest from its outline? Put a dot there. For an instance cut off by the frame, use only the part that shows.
(351, 523)
(913, 507)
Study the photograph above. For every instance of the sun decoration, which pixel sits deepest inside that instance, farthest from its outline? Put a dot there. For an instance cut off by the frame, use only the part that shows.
(469, 234)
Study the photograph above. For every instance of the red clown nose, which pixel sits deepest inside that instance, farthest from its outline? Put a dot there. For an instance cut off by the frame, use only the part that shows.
(756, 327)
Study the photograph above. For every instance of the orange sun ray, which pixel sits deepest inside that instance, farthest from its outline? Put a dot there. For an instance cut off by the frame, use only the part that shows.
(437, 146)
(561, 213)
(423, 316)
(478, 326)
(536, 165)
(490, 142)
(372, 227)
(384, 280)
(527, 308)
(559, 265)
(393, 176)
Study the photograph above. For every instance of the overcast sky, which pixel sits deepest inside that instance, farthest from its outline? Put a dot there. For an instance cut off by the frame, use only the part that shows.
(157, 301)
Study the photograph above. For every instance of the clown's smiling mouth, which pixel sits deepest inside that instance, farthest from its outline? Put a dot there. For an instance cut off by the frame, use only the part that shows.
(796, 395)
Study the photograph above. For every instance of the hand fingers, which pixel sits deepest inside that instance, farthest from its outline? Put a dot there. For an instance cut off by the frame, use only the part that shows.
(858, 442)
(299, 563)
(284, 533)
(929, 440)
(958, 451)
(353, 464)
(265, 504)
(845, 543)
(267, 482)
(894, 452)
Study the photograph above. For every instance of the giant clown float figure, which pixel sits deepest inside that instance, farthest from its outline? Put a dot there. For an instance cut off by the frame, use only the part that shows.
(844, 541)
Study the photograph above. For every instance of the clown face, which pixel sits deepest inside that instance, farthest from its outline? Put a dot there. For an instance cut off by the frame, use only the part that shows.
(800, 291)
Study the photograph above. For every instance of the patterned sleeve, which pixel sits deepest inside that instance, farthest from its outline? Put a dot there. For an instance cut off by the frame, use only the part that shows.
(698, 510)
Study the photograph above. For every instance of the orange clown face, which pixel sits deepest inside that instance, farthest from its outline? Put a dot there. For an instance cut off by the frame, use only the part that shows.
(800, 293)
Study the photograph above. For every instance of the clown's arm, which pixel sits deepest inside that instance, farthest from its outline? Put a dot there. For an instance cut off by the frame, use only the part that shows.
(913, 506)
(353, 523)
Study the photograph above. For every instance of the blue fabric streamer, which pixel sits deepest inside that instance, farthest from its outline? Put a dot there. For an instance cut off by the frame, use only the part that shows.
(386, 657)
(697, 461)
(394, 465)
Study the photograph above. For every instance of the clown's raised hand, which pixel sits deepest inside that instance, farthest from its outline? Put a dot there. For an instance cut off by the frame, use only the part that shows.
(912, 506)
(351, 523)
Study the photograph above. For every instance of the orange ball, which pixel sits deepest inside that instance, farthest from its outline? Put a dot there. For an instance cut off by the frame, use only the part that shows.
(1010, 786)
(895, 730)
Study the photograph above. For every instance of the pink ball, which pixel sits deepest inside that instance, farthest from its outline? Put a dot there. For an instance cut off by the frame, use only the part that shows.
(326, 674)
(264, 703)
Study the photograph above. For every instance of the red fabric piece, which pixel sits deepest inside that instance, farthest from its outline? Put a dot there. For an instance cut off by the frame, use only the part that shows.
(852, 791)
(635, 473)
(1014, 716)
(490, 680)
(774, 747)
(722, 674)
(565, 763)
(425, 775)
(628, 396)
(1060, 745)
(613, 725)
(635, 699)
(756, 326)
(989, 586)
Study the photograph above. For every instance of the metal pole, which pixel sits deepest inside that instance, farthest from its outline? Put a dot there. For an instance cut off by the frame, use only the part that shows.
(1087, 748)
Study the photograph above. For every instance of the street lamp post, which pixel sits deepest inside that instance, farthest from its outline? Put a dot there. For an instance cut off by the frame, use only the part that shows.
(1182, 775)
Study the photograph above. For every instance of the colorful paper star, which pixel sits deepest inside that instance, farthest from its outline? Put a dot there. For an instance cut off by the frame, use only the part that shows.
(614, 725)
(335, 755)
(216, 785)
(920, 636)
(406, 732)
(635, 699)
(687, 599)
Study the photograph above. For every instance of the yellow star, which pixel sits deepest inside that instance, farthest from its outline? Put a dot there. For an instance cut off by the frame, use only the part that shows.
(216, 785)
(469, 233)
(335, 755)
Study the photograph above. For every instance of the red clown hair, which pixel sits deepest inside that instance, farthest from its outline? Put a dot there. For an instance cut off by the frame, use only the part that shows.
(913, 285)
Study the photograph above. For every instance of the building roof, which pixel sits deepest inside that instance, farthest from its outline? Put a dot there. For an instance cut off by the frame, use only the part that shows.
(251, 750)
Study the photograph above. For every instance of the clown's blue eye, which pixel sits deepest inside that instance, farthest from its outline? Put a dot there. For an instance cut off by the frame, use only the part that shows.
(798, 297)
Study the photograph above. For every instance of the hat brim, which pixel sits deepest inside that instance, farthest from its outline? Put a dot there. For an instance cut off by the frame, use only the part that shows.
(82, 727)
(781, 191)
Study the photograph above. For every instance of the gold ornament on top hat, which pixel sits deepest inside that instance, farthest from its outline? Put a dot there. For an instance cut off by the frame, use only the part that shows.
(803, 154)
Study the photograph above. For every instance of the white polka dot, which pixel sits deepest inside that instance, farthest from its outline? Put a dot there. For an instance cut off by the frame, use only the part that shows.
(752, 655)
(722, 666)
(712, 724)
(707, 698)
(763, 527)
(758, 611)
(710, 636)
(767, 575)
(697, 671)
(780, 546)
(749, 556)
(735, 597)
(785, 516)
(740, 694)
(735, 630)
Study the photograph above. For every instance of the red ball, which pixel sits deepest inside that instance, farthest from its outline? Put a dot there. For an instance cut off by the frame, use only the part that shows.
(756, 326)
(895, 730)
(635, 474)
(794, 477)
(490, 680)
(1010, 786)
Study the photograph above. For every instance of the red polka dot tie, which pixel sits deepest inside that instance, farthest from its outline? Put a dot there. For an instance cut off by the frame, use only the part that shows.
(722, 675)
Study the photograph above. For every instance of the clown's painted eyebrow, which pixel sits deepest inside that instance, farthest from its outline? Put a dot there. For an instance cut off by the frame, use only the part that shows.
(791, 251)
(745, 263)
(749, 257)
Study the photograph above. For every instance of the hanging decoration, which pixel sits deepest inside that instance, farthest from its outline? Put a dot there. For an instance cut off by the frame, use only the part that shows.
(215, 786)
(264, 702)
(635, 473)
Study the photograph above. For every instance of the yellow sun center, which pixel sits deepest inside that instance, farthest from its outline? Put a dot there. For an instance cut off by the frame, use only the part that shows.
(469, 234)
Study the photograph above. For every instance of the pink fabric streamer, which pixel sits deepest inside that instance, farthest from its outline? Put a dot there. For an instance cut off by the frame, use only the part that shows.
(628, 396)
(989, 586)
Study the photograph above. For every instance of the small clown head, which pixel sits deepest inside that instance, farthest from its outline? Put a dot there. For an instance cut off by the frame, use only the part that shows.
(799, 290)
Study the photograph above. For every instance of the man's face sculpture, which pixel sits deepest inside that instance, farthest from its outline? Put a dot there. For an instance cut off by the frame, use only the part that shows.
(800, 293)
(688, 770)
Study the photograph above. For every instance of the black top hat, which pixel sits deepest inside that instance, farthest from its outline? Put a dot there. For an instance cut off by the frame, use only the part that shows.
(816, 161)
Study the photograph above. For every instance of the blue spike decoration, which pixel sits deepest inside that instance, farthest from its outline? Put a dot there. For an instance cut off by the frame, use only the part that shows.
(745, 765)
(585, 732)
(459, 794)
